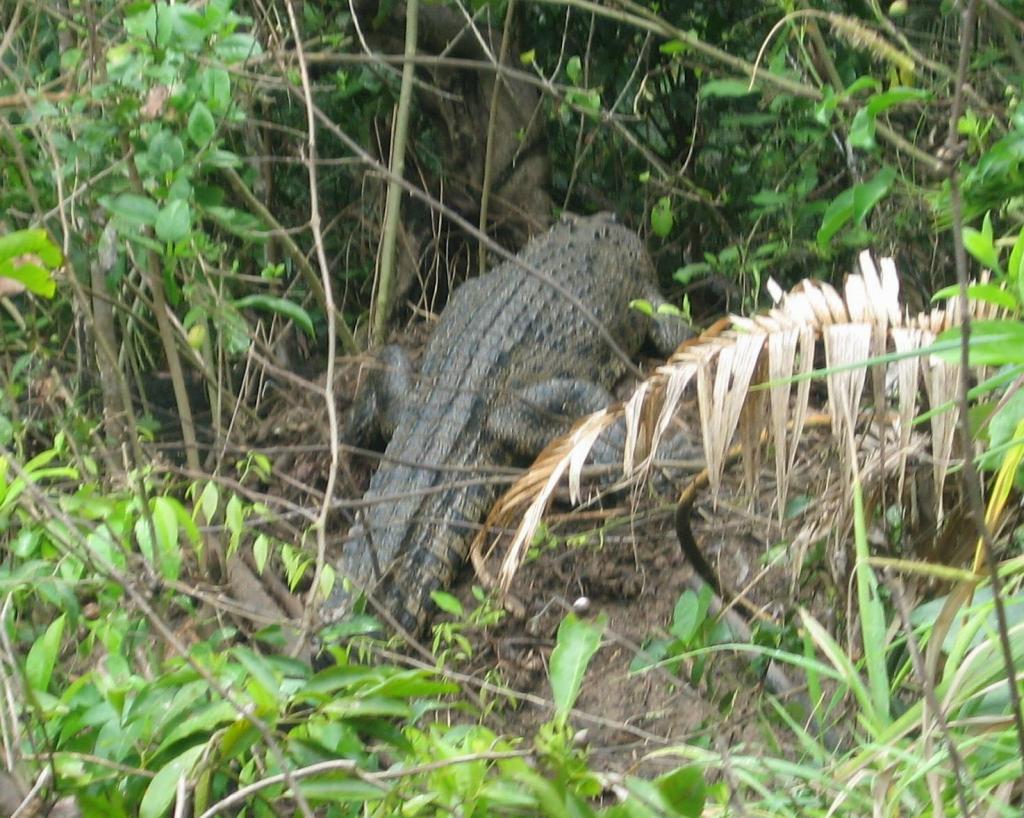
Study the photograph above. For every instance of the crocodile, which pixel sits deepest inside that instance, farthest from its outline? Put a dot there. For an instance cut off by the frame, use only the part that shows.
(511, 364)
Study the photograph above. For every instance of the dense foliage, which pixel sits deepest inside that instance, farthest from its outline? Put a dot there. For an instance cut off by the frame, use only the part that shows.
(162, 255)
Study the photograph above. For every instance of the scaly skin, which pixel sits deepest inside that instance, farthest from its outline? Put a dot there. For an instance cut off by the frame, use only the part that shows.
(502, 336)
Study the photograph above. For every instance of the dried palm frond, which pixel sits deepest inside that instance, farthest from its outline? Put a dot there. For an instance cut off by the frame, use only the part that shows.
(775, 350)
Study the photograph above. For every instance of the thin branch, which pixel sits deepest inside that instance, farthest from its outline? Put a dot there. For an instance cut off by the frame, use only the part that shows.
(492, 123)
(393, 205)
(332, 411)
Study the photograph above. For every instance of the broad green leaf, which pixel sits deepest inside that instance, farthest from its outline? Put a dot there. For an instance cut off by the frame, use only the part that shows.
(867, 194)
(341, 790)
(33, 242)
(219, 158)
(839, 212)
(982, 248)
(992, 343)
(895, 96)
(260, 552)
(209, 499)
(238, 47)
(165, 526)
(233, 519)
(282, 306)
(574, 70)
(216, 87)
(37, 280)
(687, 273)
(685, 617)
(161, 791)
(770, 198)
(862, 130)
(42, 656)
(263, 685)
(201, 125)
(576, 644)
(683, 791)
(174, 222)
(1014, 268)
(132, 210)
(989, 293)
(410, 684)
(661, 217)
(237, 221)
(860, 84)
(347, 707)
(854, 204)
(204, 721)
(727, 88)
(642, 306)
(447, 603)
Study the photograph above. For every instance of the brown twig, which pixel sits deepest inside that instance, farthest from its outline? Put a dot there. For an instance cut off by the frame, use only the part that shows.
(332, 410)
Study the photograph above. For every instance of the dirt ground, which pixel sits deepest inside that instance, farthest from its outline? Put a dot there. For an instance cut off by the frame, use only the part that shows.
(631, 573)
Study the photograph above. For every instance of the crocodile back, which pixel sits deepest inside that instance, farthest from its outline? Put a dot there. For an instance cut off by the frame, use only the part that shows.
(504, 330)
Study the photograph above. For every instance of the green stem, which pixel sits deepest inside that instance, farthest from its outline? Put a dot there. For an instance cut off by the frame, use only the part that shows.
(392, 208)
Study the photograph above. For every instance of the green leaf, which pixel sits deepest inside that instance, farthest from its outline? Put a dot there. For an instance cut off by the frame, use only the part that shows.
(447, 603)
(1014, 267)
(165, 525)
(685, 617)
(209, 499)
(661, 217)
(216, 88)
(282, 306)
(683, 791)
(727, 88)
(162, 789)
(672, 47)
(576, 644)
(341, 790)
(862, 130)
(260, 552)
(989, 293)
(237, 221)
(233, 520)
(238, 47)
(854, 204)
(992, 343)
(33, 242)
(132, 210)
(42, 656)
(982, 248)
(895, 96)
(174, 222)
(204, 721)
(642, 306)
(259, 669)
(219, 158)
(860, 84)
(574, 70)
(872, 615)
(867, 194)
(687, 273)
(201, 125)
(839, 212)
(35, 279)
